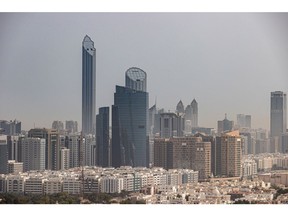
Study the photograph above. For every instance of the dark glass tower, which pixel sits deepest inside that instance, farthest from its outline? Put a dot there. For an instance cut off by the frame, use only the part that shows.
(278, 117)
(130, 121)
(88, 86)
(102, 137)
(3, 154)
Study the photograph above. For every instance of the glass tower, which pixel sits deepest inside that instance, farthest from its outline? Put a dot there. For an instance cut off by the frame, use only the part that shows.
(278, 117)
(130, 122)
(88, 86)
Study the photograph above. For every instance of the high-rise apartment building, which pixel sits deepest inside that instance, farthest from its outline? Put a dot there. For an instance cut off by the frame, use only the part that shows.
(130, 121)
(3, 154)
(33, 153)
(278, 113)
(231, 153)
(64, 158)
(52, 146)
(102, 137)
(88, 86)
(14, 148)
(58, 125)
(243, 121)
(184, 153)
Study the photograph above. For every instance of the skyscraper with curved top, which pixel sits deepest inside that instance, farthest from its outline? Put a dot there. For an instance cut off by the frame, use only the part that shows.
(135, 79)
(88, 85)
(130, 140)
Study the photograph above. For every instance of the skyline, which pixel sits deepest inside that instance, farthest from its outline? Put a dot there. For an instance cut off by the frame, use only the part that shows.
(232, 57)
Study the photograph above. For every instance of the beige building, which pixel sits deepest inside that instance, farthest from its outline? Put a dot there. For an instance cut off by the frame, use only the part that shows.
(15, 167)
(231, 153)
(184, 153)
(52, 185)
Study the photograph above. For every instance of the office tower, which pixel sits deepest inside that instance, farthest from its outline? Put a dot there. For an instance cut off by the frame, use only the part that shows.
(88, 86)
(64, 158)
(102, 137)
(71, 126)
(231, 153)
(152, 117)
(10, 127)
(136, 79)
(171, 124)
(33, 153)
(243, 121)
(130, 121)
(225, 125)
(15, 167)
(3, 154)
(183, 153)
(58, 125)
(74, 142)
(14, 148)
(180, 108)
(194, 106)
(52, 146)
(278, 117)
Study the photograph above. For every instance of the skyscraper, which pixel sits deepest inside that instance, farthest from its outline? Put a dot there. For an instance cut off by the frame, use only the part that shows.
(194, 106)
(88, 86)
(278, 117)
(33, 153)
(3, 154)
(130, 121)
(225, 125)
(102, 137)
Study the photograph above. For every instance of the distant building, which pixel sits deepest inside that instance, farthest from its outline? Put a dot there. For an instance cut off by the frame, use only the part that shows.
(71, 126)
(171, 124)
(74, 142)
(58, 125)
(243, 121)
(52, 146)
(33, 153)
(88, 86)
(3, 154)
(130, 133)
(10, 127)
(278, 113)
(180, 108)
(102, 137)
(225, 125)
(194, 106)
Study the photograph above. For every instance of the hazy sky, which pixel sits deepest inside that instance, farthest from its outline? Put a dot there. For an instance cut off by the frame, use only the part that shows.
(228, 62)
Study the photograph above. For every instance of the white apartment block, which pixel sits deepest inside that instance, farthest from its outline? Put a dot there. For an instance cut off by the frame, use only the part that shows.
(34, 185)
(71, 185)
(15, 167)
(15, 184)
(65, 159)
(52, 186)
(111, 184)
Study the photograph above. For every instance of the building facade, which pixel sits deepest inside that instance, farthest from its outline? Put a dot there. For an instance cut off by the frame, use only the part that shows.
(88, 86)
(130, 143)
(102, 137)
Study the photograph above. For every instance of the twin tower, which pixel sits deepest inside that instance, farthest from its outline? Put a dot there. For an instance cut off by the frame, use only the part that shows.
(129, 112)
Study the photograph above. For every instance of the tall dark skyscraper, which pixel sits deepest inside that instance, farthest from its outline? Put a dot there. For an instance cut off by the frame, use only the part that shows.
(194, 106)
(102, 137)
(130, 121)
(278, 116)
(3, 154)
(88, 86)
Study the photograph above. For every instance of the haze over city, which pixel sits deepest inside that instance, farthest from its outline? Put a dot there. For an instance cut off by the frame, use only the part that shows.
(228, 62)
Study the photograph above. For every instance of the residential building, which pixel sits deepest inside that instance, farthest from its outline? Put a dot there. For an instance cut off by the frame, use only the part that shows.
(3, 154)
(33, 153)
